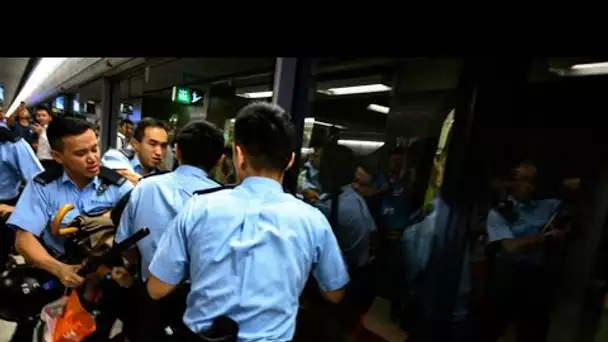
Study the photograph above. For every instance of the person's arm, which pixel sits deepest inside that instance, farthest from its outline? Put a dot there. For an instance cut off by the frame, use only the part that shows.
(30, 219)
(498, 230)
(26, 161)
(170, 263)
(330, 269)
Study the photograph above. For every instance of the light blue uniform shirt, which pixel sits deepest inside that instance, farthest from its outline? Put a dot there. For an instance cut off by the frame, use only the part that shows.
(309, 178)
(155, 202)
(39, 203)
(354, 225)
(116, 160)
(17, 163)
(531, 218)
(248, 253)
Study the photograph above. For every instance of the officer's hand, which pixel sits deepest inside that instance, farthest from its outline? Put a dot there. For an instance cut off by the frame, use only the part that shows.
(130, 175)
(311, 195)
(122, 277)
(68, 275)
(6, 210)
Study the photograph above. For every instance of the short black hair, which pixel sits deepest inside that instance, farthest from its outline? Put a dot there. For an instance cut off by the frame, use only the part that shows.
(125, 122)
(65, 126)
(140, 130)
(41, 107)
(201, 144)
(337, 167)
(266, 133)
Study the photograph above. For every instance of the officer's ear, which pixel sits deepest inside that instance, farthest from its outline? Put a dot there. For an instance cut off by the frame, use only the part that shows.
(238, 156)
(291, 161)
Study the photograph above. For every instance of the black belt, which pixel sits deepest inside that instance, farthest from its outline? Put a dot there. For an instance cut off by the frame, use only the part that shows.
(223, 329)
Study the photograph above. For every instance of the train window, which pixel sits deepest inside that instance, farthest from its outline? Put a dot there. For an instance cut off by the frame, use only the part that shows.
(375, 142)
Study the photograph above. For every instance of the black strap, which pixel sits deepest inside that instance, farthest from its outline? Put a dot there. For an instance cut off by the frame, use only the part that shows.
(111, 177)
(212, 190)
(334, 209)
(50, 174)
(127, 152)
(7, 134)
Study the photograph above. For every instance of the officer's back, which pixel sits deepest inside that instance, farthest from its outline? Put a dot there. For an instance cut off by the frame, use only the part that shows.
(157, 200)
(248, 251)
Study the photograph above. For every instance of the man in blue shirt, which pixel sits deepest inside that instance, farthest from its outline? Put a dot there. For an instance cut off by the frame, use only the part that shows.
(521, 282)
(80, 181)
(150, 141)
(18, 163)
(200, 148)
(308, 180)
(248, 251)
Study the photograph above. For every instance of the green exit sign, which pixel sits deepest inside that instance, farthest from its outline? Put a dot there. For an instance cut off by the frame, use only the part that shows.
(181, 95)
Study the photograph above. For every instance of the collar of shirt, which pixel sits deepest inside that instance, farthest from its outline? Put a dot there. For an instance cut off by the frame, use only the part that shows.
(261, 185)
(188, 170)
(136, 165)
(66, 179)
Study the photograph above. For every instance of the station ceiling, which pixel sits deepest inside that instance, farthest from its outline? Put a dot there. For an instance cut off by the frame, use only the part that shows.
(11, 71)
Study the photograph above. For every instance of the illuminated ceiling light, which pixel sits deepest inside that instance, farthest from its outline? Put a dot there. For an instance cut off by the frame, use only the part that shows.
(256, 95)
(378, 108)
(589, 66)
(43, 70)
(362, 143)
(360, 89)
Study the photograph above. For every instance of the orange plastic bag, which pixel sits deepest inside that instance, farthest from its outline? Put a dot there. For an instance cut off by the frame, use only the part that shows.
(75, 324)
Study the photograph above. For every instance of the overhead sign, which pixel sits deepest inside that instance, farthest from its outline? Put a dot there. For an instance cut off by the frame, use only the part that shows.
(186, 95)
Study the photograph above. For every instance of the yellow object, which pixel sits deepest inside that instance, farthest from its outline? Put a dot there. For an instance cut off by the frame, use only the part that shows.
(67, 231)
(56, 223)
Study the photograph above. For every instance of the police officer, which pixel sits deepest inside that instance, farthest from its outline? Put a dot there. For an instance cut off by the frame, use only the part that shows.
(150, 140)
(521, 280)
(308, 179)
(248, 251)
(81, 181)
(157, 200)
(18, 163)
(352, 224)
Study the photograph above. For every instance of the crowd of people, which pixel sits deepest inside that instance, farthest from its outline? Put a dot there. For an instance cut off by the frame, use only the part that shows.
(230, 253)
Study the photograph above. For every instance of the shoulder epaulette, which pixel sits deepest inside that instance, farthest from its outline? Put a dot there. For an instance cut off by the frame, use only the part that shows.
(50, 174)
(127, 152)
(111, 177)
(212, 190)
(157, 173)
(7, 134)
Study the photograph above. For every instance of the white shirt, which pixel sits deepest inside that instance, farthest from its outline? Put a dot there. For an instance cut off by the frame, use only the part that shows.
(44, 148)
(120, 138)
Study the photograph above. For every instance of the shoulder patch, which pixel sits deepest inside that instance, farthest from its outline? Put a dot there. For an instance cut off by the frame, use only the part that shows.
(212, 190)
(111, 177)
(50, 174)
(7, 134)
(127, 152)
